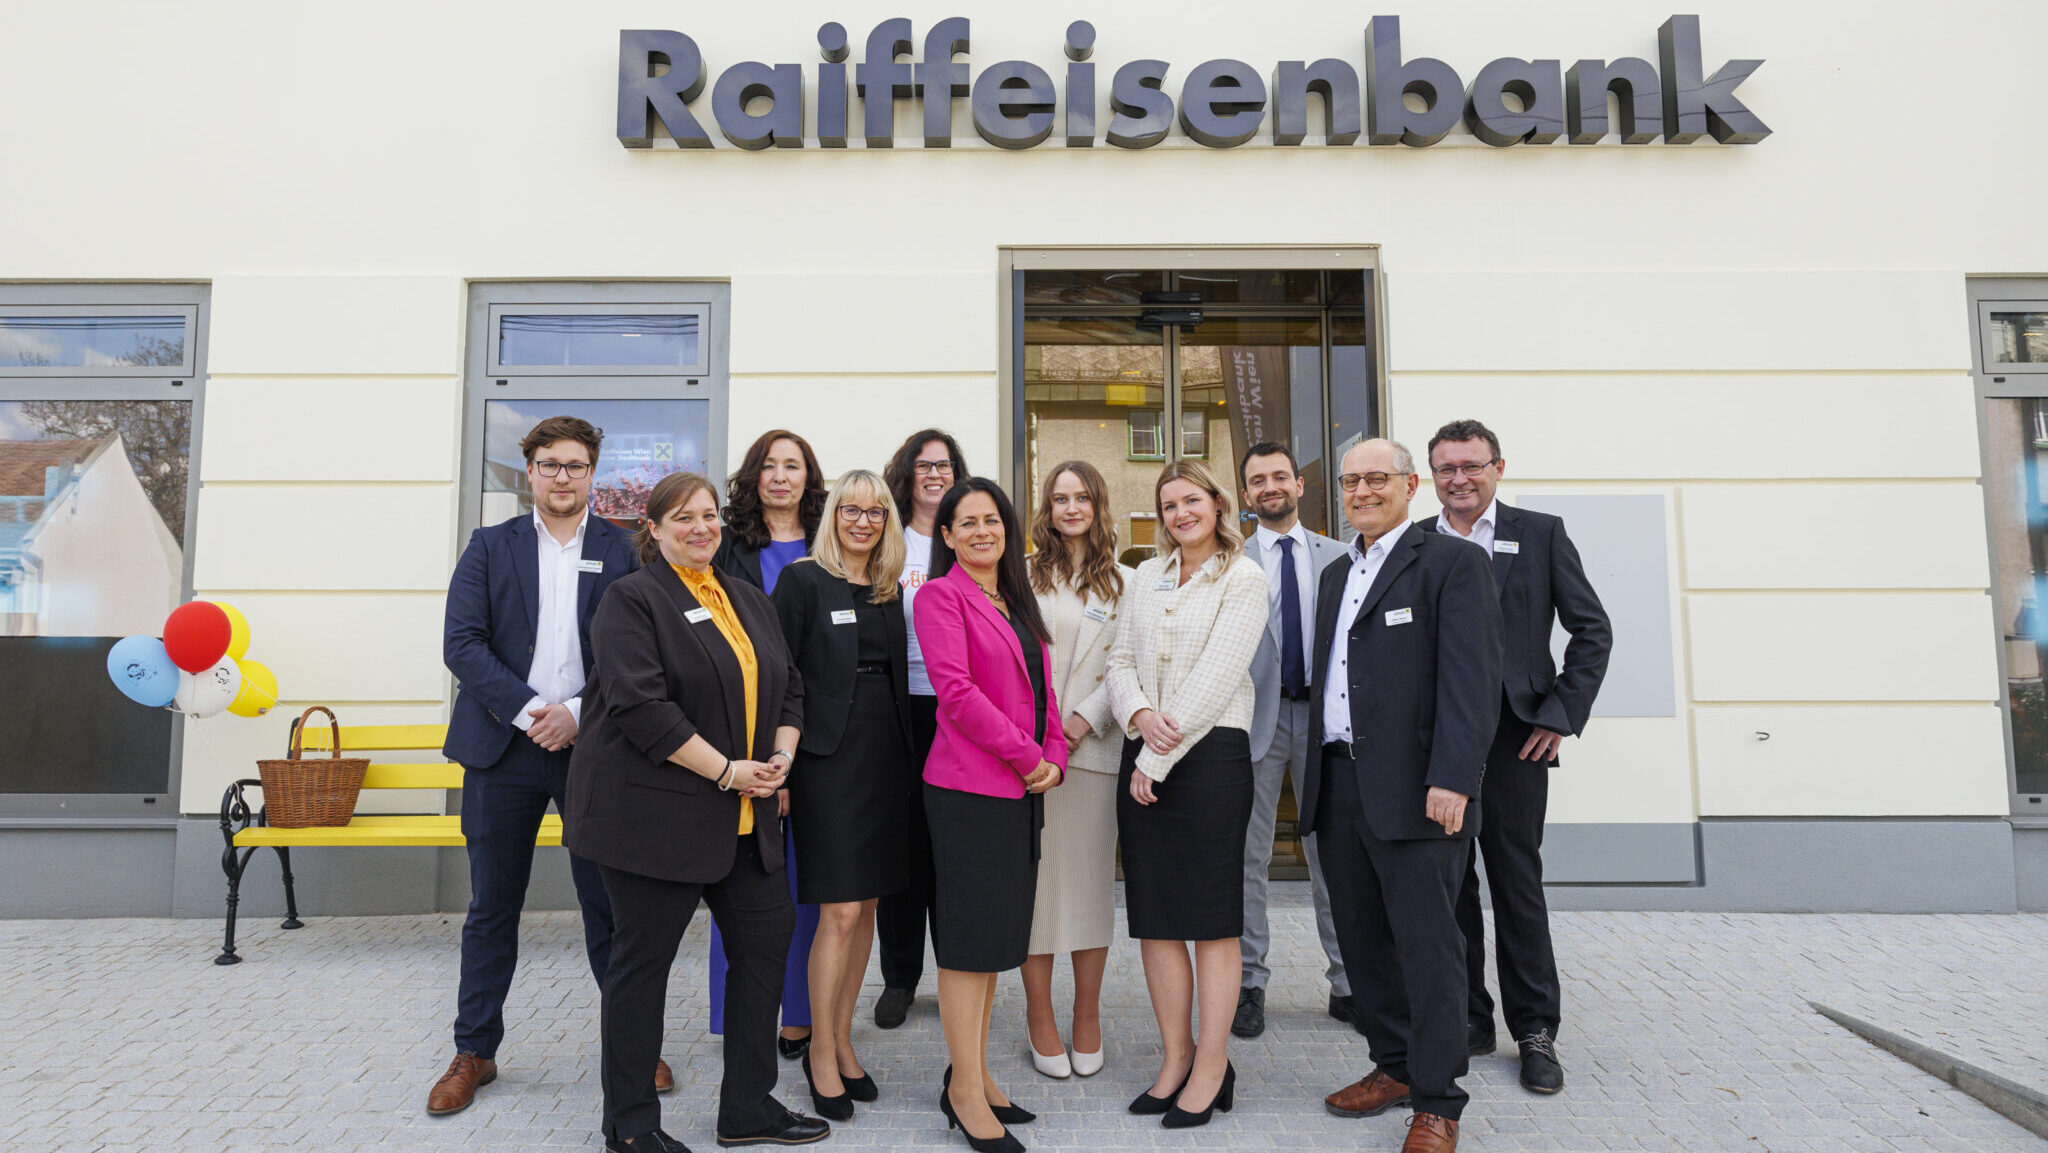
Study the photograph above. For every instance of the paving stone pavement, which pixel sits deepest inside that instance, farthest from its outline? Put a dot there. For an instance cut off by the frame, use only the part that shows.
(1683, 1031)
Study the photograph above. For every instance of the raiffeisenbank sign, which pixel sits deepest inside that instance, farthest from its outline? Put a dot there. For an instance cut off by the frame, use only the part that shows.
(1221, 104)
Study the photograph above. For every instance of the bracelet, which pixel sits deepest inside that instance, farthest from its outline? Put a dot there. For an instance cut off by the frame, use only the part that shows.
(725, 776)
(789, 758)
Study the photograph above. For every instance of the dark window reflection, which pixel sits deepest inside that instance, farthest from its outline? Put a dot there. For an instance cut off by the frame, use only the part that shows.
(1090, 288)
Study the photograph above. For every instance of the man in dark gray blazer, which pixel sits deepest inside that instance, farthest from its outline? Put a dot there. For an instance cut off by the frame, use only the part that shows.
(1540, 578)
(1407, 688)
(1285, 741)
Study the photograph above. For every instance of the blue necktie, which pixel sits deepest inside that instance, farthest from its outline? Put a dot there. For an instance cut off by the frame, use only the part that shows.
(1293, 669)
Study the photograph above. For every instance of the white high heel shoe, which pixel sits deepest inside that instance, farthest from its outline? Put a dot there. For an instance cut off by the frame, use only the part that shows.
(1087, 1064)
(1058, 1068)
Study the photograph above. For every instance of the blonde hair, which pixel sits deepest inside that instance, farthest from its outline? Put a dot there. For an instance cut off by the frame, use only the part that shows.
(1229, 541)
(885, 563)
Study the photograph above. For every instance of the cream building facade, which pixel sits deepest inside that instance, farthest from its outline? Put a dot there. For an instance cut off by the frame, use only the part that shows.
(1764, 376)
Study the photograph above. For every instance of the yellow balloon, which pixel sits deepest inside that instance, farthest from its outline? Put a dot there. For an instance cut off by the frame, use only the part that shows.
(259, 689)
(238, 629)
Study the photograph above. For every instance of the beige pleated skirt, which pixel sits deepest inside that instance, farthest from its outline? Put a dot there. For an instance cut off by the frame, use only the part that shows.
(1076, 905)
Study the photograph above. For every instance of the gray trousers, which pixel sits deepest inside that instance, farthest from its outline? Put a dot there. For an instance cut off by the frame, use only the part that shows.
(1296, 749)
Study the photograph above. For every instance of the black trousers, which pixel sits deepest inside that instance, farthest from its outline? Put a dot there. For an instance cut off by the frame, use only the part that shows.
(900, 917)
(502, 807)
(649, 916)
(1394, 903)
(1511, 841)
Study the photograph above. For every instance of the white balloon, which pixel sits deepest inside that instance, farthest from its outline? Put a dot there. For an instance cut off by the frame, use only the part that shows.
(201, 695)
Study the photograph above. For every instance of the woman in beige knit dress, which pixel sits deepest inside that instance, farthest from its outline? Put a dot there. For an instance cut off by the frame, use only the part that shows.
(1079, 586)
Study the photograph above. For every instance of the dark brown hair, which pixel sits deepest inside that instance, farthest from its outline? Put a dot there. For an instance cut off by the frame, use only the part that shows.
(1463, 430)
(1266, 448)
(557, 428)
(670, 493)
(1011, 583)
(902, 470)
(1097, 574)
(742, 514)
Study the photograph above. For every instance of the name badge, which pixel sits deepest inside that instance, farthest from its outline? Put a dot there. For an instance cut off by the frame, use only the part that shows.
(1401, 616)
(1510, 547)
(697, 616)
(842, 616)
(1165, 585)
(1098, 615)
(590, 566)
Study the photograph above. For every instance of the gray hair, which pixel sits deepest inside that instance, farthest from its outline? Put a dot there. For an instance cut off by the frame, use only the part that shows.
(1404, 461)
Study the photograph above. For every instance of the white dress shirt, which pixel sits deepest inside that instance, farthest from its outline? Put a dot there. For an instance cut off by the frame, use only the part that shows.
(1365, 567)
(1482, 529)
(556, 675)
(1304, 580)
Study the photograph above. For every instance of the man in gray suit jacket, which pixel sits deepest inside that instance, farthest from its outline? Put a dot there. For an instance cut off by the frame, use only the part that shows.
(1284, 736)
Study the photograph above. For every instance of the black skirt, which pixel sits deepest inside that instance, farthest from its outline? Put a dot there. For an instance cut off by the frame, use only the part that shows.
(1183, 854)
(985, 866)
(850, 811)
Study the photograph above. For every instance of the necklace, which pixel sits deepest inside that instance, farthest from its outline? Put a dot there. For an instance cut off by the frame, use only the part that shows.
(996, 599)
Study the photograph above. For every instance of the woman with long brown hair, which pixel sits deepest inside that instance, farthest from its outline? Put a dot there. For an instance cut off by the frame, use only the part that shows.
(1079, 586)
(774, 503)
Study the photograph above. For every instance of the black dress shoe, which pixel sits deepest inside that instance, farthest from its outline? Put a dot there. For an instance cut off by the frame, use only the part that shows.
(1341, 1008)
(1541, 1072)
(1251, 1012)
(838, 1107)
(792, 1049)
(1146, 1105)
(1479, 1044)
(789, 1129)
(1011, 1114)
(893, 1006)
(1226, 1096)
(861, 1088)
(655, 1141)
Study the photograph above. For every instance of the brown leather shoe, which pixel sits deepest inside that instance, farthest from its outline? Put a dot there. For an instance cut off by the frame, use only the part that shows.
(1429, 1133)
(1370, 1097)
(664, 1077)
(457, 1087)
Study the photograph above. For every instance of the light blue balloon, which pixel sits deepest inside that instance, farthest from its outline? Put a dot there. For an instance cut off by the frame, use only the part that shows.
(143, 671)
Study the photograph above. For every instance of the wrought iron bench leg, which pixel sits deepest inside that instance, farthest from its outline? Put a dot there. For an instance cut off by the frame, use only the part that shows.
(291, 899)
(234, 865)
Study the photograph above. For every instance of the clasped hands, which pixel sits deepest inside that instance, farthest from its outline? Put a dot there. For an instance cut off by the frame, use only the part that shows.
(755, 778)
(1161, 734)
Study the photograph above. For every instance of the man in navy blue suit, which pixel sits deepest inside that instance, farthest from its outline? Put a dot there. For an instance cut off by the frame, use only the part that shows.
(518, 641)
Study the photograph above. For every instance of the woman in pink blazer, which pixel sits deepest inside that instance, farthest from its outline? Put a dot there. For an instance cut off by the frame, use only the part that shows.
(999, 748)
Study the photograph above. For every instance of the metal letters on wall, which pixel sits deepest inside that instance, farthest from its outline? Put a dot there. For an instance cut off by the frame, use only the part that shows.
(1222, 103)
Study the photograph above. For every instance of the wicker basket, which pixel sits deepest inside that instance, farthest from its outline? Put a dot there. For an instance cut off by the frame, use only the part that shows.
(310, 794)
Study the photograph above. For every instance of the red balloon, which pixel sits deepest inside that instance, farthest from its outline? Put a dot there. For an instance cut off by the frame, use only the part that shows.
(196, 636)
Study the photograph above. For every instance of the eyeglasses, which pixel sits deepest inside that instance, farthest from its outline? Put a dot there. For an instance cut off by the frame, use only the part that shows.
(1447, 471)
(853, 515)
(1373, 480)
(933, 467)
(576, 469)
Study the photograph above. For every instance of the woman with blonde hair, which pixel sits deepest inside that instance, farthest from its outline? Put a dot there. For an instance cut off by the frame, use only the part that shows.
(1180, 686)
(849, 792)
(1079, 586)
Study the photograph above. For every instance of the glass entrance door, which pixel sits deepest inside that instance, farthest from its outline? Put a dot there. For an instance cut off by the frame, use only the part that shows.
(1129, 369)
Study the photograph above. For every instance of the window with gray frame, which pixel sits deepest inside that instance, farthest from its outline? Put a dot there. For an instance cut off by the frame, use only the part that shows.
(2010, 320)
(644, 362)
(100, 398)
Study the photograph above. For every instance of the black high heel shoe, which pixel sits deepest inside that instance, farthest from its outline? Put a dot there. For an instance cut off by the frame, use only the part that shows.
(1226, 1096)
(1146, 1105)
(839, 1108)
(861, 1088)
(1003, 1144)
(1011, 1114)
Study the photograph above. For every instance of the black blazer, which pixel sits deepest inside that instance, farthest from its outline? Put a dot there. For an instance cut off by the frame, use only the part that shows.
(1424, 693)
(1545, 578)
(736, 559)
(493, 612)
(660, 680)
(826, 654)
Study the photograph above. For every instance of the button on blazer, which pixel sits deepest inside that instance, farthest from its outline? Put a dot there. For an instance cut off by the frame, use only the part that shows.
(661, 679)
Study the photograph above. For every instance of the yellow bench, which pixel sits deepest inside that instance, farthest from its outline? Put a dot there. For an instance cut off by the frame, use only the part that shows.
(245, 832)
